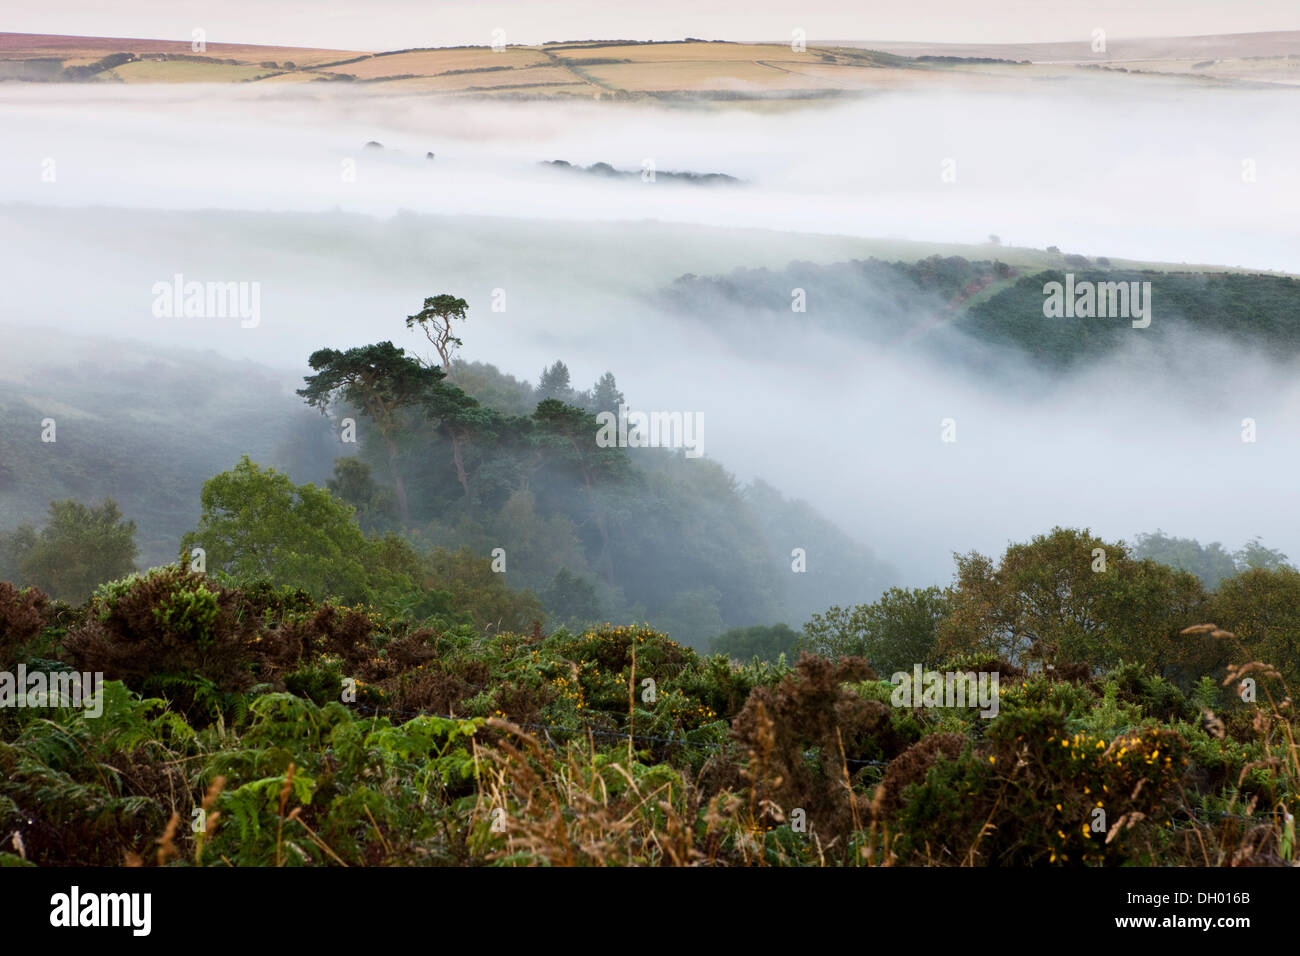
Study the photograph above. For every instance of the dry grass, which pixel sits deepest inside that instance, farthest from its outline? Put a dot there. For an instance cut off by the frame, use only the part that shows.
(725, 69)
(1230, 843)
(530, 76)
(433, 62)
(80, 50)
(680, 75)
(682, 52)
(182, 71)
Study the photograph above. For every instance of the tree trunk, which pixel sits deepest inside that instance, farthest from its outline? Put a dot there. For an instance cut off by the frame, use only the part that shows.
(460, 464)
(606, 561)
(403, 507)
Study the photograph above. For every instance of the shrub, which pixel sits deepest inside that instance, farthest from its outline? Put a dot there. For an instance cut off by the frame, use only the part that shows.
(24, 613)
(799, 736)
(1039, 794)
(168, 623)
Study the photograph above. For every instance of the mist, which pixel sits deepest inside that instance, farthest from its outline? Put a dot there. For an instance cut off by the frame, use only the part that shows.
(229, 184)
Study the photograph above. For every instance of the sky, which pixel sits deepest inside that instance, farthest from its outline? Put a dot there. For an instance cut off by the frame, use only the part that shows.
(397, 24)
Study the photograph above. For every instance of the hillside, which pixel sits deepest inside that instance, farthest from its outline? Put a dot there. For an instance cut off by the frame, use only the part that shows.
(683, 544)
(151, 450)
(923, 304)
(687, 70)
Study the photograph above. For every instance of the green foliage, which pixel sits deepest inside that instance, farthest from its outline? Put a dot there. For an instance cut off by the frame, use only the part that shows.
(171, 630)
(660, 538)
(435, 319)
(473, 588)
(1051, 600)
(319, 683)
(379, 378)
(1254, 556)
(299, 761)
(292, 776)
(1252, 310)
(895, 633)
(353, 484)
(653, 534)
(899, 293)
(382, 380)
(257, 525)
(613, 726)
(1211, 563)
(495, 389)
(199, 413)
(572, 599)
(1157, 697)
(189, 614)
(1040, 794)
(766, 643)
(553, 383)
(1261, 607)
(59, 784)
(80, 547)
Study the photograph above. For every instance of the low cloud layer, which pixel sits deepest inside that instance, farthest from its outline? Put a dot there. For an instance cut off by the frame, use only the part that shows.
(228, 184)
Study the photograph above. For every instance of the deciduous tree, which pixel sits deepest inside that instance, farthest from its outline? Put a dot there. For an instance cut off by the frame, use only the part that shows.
(80, 548)
(257, 525)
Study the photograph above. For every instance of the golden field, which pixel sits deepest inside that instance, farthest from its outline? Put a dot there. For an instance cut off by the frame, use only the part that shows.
(696, 70)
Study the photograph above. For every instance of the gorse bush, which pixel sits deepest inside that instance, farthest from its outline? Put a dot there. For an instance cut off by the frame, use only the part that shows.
(189, 615)
(169, 622)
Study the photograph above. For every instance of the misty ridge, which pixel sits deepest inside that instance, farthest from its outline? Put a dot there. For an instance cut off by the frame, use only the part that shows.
(647, 173)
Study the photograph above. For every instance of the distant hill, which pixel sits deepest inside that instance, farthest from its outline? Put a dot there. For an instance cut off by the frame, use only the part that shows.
(679, 71)
(1260, 311)
(1279, 43)
(933, 303)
